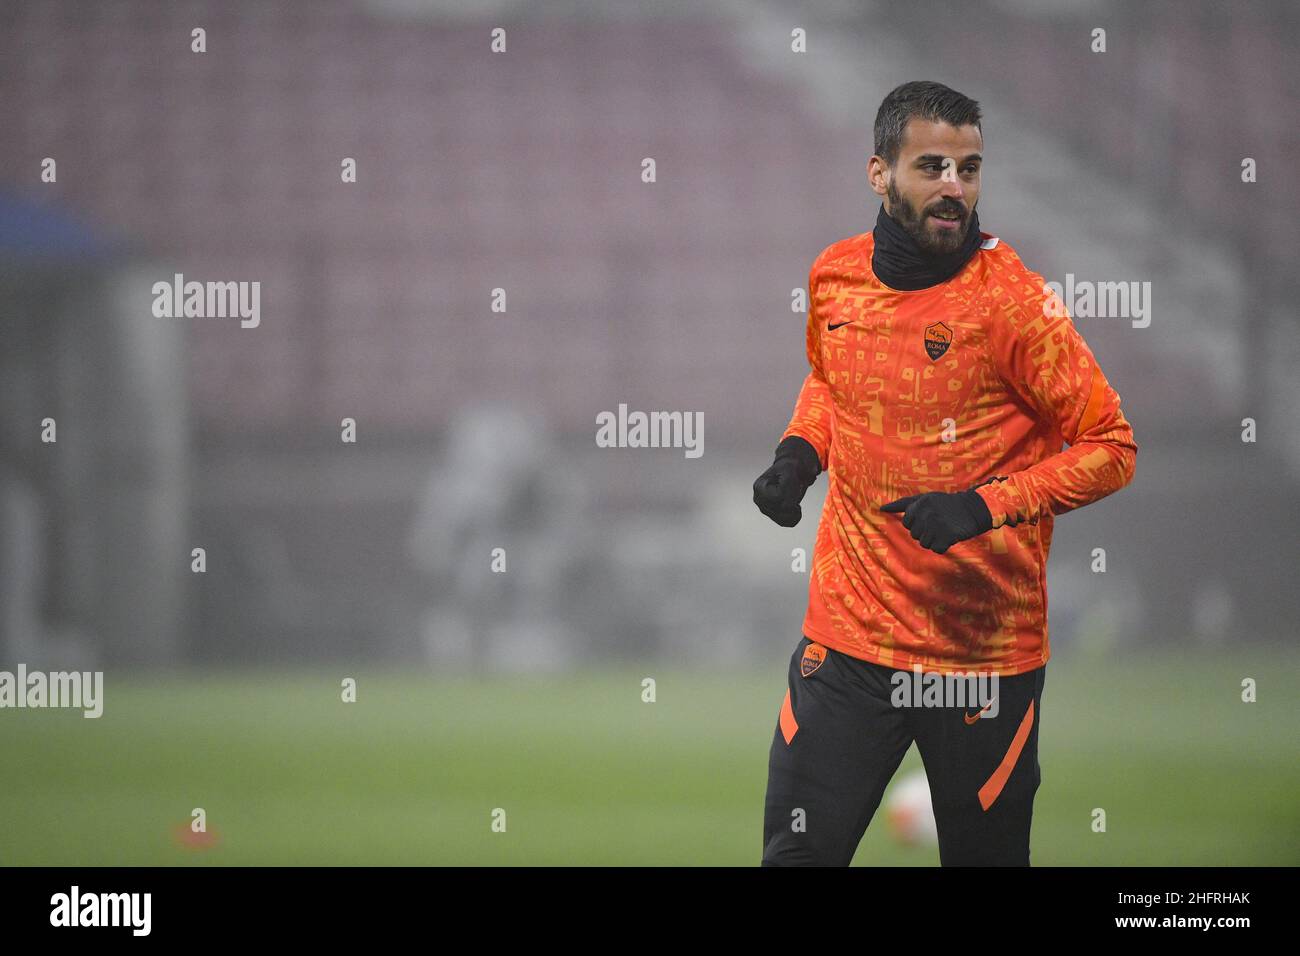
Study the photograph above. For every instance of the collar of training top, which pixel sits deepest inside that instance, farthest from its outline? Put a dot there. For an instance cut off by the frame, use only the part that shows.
(900, 264)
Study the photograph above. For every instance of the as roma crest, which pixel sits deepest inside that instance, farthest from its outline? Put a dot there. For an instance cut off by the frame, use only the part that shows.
(813, 655)
(937, 339)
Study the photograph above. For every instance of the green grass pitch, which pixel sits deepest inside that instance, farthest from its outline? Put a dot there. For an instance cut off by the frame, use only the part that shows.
(588, 774)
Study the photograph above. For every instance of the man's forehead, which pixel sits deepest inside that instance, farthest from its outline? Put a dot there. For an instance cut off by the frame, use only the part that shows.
(928, 136)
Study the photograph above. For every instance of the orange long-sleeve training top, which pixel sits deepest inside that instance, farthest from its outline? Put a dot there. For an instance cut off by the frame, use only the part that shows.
(979, 380)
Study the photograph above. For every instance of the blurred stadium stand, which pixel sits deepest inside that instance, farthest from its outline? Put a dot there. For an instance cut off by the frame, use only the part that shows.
(522, 172)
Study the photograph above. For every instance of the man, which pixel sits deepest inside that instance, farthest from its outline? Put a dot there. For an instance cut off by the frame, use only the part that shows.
(945, 381)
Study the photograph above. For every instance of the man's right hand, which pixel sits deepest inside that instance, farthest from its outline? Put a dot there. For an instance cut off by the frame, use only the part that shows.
(778, 491)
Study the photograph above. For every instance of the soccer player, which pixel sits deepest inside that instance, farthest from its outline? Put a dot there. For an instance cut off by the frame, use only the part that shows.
(945, 383)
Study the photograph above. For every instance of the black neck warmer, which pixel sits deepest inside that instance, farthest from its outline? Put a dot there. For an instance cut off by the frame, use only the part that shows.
(899, 263)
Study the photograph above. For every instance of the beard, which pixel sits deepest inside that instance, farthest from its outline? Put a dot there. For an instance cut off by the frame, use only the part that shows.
(931, 239)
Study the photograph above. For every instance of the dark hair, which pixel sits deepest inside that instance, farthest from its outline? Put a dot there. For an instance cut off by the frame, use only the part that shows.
(924, 99)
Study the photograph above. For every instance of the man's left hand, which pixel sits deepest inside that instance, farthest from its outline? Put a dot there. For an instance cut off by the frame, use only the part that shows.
(938, 519)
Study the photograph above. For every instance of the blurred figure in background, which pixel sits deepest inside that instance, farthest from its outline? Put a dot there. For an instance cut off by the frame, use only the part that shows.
(493, 533)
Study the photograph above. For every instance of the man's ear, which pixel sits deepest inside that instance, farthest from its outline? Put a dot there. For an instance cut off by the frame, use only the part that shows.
(878, 175)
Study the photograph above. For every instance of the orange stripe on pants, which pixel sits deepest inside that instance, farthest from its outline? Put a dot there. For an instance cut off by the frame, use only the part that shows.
(993, 786)
(789, 726)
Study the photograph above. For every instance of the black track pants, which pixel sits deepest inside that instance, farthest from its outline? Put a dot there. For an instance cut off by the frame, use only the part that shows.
(841, 735)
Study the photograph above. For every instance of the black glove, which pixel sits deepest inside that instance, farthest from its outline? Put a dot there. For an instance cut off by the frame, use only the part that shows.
(778, 491)
(939, 520)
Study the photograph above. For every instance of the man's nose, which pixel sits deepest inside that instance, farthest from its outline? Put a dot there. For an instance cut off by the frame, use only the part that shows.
(951, 188)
